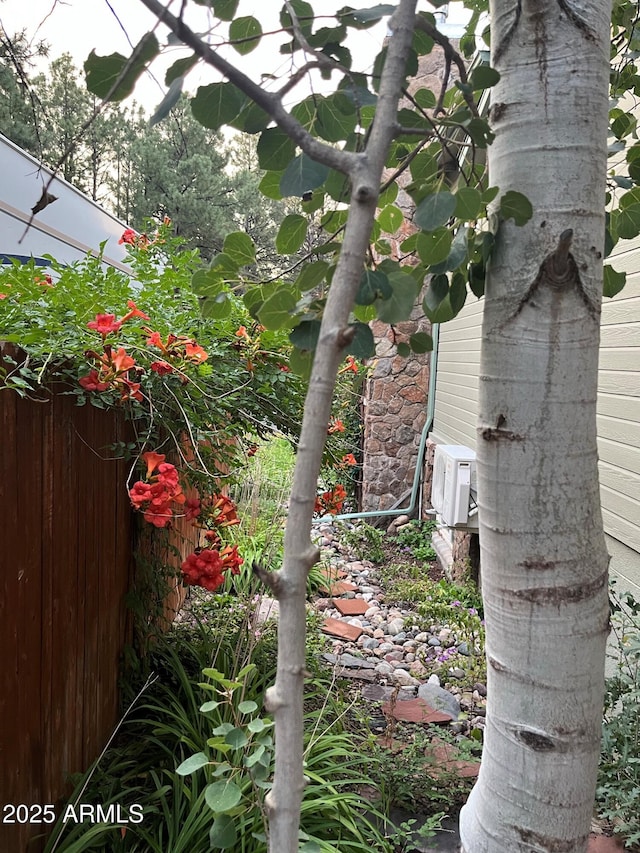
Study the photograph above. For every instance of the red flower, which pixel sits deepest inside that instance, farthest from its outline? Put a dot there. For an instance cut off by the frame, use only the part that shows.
(252, 450)
(154, 340)
(152, 460)
(351, 365)
(140, 493)
(242, 333)
(91, 382)
(44, 280)
(195, 353)
(284, 368)
(192, 508)
(121, 362)
(349, 459)
(330, 501)
(4, 295)
(161, 367)
(336, 425)
(224, 511)
(134, 312)
(104, 324)
(128, 236)
(168, 475)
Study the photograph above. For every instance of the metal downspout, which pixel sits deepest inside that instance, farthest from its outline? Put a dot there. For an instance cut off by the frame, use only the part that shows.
(431, 404)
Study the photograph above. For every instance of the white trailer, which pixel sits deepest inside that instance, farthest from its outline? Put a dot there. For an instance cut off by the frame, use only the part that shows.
(67, 228)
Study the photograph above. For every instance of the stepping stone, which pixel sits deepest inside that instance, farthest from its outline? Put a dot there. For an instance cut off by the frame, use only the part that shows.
(447, 759)
(351, 606)
(415, 711)
(338, 588)
(349, 661)
(604, 844)
(342, 630)
(333, 573)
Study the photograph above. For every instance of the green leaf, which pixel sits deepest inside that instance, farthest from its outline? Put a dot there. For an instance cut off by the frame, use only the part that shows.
(222, 796)
(305, 335)
(291, 234)
(223, 729)
(483, 77)
(374, 284)
(311, 847)
(437, 290)
(207, 282)
(255, 756)
(236, 738)
(336, 118)
(477, 275)
(433, 247)
(425, 99)
(514, 205)
(614, 281)
(301, 175)
(259, 725)
(301, 362)
(248, 706)
(390, 218)
(239, 247)
(217, 307)
(278, 310)
(209, 706)
(269, 186)
(627, 221)
(403, 349)
(190, 765)
(223, 9)
(245, 34)
(459, 250)
(180, 68)
(216, 104)
(103, 72)
(169, 101)
(457, 293)
(311, 275)
(353, 17)
(223, 833)
(363, 345)
(435, 210)
(399, 305)
(468, 203)
(421, 342)
(275, 149)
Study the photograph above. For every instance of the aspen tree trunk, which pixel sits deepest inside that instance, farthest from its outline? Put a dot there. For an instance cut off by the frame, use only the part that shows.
(544, 562)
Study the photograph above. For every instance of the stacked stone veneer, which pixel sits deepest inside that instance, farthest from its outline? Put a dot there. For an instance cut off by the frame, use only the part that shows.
(394, 413)
(395, 394)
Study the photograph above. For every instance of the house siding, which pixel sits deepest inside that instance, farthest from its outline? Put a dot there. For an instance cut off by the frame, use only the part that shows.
(456, 408)
(618, 413)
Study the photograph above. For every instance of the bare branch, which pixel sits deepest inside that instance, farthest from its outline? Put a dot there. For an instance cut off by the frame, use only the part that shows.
(451, 55)
(346, 162)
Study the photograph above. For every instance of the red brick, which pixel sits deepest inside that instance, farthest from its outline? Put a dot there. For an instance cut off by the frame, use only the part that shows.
(604, 844)
(342, 630)
(331, 573)
(338, 588)
(415, 711)
(351, 606)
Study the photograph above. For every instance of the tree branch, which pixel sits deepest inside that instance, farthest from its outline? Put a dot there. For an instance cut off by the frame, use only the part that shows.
(346, 162)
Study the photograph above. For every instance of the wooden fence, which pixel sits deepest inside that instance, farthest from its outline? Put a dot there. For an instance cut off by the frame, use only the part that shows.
(66, 540)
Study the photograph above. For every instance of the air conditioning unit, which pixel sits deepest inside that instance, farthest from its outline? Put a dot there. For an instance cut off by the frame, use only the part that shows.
(453, 487)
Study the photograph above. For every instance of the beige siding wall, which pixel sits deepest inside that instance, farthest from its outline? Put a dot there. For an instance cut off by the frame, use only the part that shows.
(619, 403)
(457, 378)
(618, 397)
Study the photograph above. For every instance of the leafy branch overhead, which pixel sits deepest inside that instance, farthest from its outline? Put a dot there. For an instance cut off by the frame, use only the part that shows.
(315, 152)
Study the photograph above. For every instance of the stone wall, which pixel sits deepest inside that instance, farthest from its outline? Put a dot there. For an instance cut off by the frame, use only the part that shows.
(394, 412)
(395, 394)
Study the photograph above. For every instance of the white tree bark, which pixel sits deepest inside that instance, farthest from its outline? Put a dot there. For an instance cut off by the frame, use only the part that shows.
(544, 562)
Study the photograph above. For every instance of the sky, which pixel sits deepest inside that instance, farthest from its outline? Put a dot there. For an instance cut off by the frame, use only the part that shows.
(78, 26)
